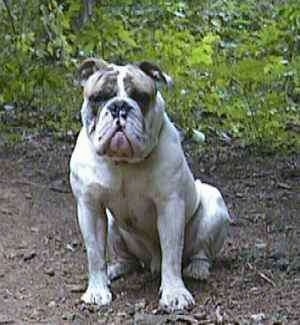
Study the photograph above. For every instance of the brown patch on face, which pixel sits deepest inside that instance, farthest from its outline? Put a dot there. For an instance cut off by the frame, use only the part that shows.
(139, 87)
(102, 85)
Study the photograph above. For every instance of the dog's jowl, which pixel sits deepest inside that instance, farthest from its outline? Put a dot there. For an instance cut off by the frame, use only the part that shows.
(137, 200)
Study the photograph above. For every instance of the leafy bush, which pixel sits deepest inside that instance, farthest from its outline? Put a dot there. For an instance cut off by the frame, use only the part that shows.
(235, 64)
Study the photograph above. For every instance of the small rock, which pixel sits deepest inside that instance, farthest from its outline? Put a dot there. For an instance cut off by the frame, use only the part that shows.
(36, 314)
(49, 271)
(5, 211)
(29, 256)
(258, 318)
(22, 245)
(102, 322)
(75, 243)
(59, 186)
(219, 316)
(52, 304)
(82, 307)
(121, 314)
(140, 305)
(284, 186)
(198, 136)
(68, 316)
(9, 107)
(70, 247)
(200, 316)
(254, 290)
(28, 196)
(260, 244)
(225, 137)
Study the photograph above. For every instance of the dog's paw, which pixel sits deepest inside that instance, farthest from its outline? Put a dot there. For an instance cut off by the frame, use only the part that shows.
(197, 269)
(97, 296)
(176, 299)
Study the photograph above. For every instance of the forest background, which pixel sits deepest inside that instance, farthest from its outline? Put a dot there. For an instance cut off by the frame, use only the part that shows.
(235, 64)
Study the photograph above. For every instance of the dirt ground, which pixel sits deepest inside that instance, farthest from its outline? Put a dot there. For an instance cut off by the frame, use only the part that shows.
(256, 280)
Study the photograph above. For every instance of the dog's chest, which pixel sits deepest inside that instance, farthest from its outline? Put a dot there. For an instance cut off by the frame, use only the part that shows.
(132, 207)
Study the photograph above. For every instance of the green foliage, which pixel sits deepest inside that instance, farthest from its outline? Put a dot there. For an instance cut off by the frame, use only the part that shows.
(236, 64)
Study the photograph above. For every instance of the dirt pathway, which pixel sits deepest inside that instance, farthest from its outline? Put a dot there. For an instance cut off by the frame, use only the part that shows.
(42, 258)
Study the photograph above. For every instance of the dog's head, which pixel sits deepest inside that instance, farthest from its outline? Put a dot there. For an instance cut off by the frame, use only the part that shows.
(122, 109)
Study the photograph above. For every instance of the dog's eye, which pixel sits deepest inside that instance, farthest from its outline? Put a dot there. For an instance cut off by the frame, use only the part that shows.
(98, 99)
(142, 98)
(96, 103)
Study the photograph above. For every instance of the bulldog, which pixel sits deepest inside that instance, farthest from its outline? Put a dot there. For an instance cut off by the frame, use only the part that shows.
(137, 201)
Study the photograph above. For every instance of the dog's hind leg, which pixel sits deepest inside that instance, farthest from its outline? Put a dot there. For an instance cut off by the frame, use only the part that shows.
(121, 262)
(206, 232)
(198, 267)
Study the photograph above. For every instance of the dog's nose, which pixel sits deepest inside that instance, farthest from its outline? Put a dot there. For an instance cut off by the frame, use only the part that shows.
(119, 109)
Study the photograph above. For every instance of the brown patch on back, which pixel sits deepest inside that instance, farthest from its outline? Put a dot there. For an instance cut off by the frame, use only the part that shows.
(139, 87)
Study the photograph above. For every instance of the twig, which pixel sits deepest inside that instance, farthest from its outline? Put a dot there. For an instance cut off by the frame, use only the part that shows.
(262, 275)
(11, 19)
(88, 10)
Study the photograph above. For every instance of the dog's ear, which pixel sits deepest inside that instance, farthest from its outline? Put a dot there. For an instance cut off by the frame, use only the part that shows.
(155, 73)
(88, 67)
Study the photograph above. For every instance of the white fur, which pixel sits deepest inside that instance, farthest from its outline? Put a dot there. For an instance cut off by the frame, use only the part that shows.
(121, 89)
(157, 215)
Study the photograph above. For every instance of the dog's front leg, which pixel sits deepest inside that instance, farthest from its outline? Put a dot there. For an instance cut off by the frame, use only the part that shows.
(171, 224)
(93, 224)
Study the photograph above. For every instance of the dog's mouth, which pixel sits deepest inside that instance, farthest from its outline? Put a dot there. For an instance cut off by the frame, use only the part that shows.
(119, 144)
(120, 139)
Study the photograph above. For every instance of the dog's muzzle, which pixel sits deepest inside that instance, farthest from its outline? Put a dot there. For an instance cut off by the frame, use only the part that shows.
(113, 133)
(119, 143)
(119, 109)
